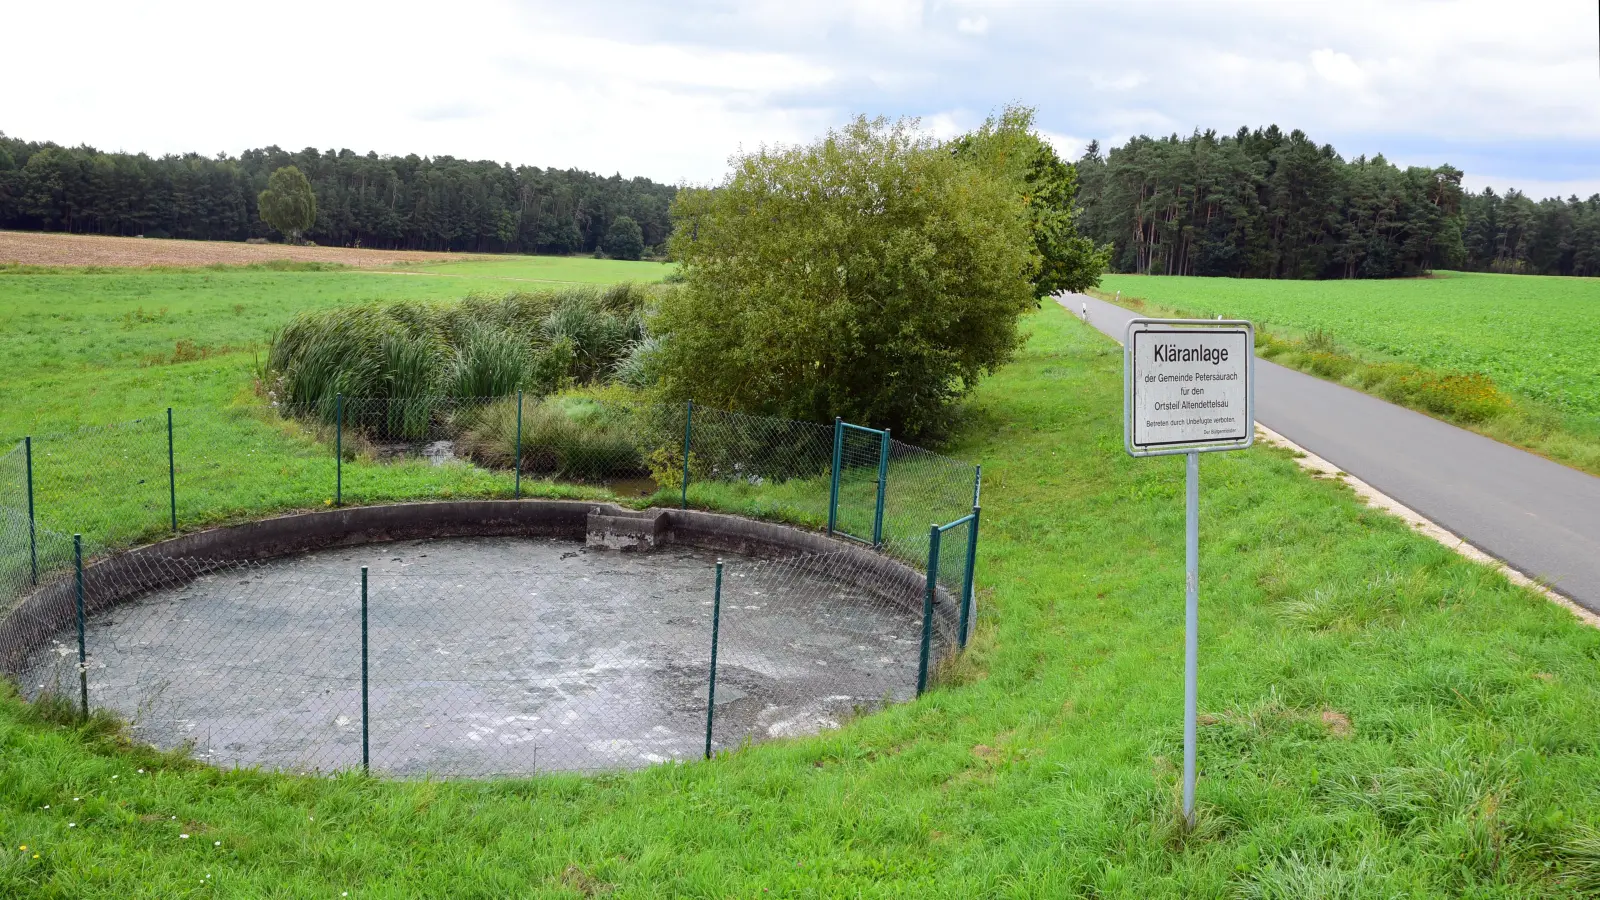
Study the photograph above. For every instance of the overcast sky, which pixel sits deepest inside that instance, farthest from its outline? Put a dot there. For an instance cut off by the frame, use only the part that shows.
(1507, 91)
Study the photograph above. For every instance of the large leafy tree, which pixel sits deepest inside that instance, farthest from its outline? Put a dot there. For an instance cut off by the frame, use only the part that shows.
(288, 204)
(624, 240)
(872, 274)
(1045, 186)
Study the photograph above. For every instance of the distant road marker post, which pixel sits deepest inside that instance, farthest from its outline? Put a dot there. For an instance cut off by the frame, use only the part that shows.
(1188, 387)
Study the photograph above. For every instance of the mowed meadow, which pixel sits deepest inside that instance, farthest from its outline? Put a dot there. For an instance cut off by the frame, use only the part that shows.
(1511, 356)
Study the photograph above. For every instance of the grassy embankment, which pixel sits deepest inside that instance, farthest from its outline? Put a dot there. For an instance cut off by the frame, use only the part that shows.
(1509, 356)
(1382, 718)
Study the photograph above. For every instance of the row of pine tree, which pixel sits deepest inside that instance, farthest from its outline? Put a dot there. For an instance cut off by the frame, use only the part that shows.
(1274, 204)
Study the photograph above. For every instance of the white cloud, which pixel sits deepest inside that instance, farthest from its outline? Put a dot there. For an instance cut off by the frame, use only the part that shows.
(670, 90)
(948, 124)
(666, 66)
(1338, 68)
(1066, 146)
(1126, 81)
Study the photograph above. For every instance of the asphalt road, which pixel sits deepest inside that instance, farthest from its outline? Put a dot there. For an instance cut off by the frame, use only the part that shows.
(1540, 517)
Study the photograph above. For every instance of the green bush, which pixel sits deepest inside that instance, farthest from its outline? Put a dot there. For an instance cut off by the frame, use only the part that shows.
(1047, 187)
(288, 204)
(624, 240)
(872, 275)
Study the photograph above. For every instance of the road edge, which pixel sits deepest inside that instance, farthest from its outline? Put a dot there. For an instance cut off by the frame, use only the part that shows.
(1321, 469)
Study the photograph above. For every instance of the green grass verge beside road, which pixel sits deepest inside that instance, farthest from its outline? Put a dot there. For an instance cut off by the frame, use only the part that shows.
(1381, 718)
(1509, 356)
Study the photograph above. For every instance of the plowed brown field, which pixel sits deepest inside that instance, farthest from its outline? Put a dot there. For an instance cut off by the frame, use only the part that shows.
(38, 249)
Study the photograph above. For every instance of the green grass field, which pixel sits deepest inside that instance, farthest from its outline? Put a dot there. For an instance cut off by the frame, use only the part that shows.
(1382, 718)
(1532, 337)
(114, 345)
(1535, 336)
(108, 347)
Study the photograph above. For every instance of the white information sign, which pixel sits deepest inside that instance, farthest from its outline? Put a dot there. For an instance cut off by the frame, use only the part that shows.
(1188, 386)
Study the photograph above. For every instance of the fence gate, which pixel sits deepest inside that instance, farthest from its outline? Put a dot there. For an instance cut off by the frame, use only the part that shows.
(860, 475)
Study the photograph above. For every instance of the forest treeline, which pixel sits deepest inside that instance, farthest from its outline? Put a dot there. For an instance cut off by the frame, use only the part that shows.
(1255, 204)
(387, 202)
(1274, 204)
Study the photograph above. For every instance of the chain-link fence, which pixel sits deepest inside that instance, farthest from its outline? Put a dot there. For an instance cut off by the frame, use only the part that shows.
(806, 642)
(250, 664)
(477, 657)
(125, 483)
(18, 553)
(111, 483)
(775, 468)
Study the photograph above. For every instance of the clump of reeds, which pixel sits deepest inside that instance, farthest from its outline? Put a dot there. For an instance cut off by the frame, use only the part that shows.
(479, 347)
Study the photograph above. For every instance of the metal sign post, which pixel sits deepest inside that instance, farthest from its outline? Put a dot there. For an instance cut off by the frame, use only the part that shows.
(1189, 388)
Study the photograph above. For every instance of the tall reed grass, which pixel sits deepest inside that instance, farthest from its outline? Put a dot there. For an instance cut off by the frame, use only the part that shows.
(537, 342)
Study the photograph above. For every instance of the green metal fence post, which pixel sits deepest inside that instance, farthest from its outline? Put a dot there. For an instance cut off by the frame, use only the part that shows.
(172, 475)
(688, 433)
(716, 626)
(883, 487)
(83, 656)
(366, 765)
(33, 530)
(833, 480)
(338, 450)
(927, 608)
(977, 485)
(968, 601)
(519, 445)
